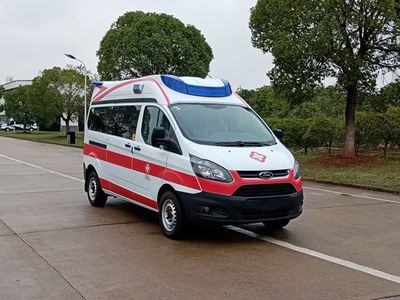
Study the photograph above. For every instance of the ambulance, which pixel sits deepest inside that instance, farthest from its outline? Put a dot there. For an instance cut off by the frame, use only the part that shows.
(190, 149)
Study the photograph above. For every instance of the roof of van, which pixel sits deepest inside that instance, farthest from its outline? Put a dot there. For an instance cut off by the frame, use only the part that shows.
(167, 90)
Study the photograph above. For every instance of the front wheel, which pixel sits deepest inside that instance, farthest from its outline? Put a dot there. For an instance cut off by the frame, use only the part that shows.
(276, 224)
(95, 193)
(7, 129)
(171, 216)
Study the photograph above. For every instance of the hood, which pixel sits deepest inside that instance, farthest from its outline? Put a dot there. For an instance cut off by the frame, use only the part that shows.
(269, 158)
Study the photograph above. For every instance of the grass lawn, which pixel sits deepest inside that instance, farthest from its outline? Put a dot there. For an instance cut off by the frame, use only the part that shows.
(51, 137)
(365, 170)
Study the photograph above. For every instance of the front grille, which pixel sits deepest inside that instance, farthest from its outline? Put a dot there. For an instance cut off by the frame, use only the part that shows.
(261, 190)
(255, 174)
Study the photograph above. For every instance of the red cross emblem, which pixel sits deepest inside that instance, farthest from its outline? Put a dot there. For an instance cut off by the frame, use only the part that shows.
(258, 156)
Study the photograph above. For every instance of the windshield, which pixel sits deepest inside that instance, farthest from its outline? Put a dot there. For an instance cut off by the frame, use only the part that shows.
(222, 125)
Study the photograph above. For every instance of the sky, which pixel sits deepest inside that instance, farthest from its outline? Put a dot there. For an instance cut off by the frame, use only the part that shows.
(35, 34)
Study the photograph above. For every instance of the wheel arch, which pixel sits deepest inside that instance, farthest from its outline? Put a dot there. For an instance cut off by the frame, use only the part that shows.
(164, 188)
(89, 169)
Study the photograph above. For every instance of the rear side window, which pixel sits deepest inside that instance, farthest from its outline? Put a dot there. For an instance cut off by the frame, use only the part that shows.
(99, 119)
(123, 121)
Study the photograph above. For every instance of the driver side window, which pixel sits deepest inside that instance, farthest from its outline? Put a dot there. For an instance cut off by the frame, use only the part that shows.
(153, 117)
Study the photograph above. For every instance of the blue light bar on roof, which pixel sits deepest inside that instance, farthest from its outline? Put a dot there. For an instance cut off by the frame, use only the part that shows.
(97, 83)
(178, 85)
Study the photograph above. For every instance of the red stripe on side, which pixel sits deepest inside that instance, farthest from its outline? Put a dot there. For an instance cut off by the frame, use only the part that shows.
(94, 151)
(101, 89)
(129, 194)
(108, 91)
(184, 179)
(167, 174)
(105, 184)
(119, 159)
(145, 201)
(154, 170)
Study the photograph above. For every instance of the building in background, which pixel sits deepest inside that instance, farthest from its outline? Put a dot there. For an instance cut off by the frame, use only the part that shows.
(10, 84)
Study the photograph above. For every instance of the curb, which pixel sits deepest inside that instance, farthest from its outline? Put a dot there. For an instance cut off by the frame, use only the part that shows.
(43, 142)
(358, 186)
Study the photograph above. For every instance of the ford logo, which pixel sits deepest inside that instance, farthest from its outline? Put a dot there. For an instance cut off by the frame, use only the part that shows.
(266, 174)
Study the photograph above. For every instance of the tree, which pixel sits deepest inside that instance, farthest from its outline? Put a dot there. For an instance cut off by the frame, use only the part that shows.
(18, 105)
(140, 44)
(393, 114)
(266, 102)
(365, 132)
(58, 93)
(1, 96)
(352, 40)
(321, 131)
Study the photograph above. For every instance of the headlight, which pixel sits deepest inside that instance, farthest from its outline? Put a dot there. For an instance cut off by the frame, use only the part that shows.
(209, 170)
(297, 171)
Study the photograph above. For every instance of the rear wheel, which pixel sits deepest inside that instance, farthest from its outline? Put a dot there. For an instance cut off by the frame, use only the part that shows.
(7, 129)
(276, 224)
(95, 193)
(30, 129)
(171, 216)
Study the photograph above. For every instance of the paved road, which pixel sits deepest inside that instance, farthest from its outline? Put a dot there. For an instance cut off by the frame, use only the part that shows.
(54, 245)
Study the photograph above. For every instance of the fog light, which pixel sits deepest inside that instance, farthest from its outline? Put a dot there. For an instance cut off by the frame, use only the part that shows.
(204, 209)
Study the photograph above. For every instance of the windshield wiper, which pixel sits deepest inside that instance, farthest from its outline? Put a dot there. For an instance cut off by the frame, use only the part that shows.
(244, 144)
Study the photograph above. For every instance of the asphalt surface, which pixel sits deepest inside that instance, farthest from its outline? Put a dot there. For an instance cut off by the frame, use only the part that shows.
(54, 245)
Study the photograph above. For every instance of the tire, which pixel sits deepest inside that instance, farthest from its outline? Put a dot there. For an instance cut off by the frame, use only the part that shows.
(30, 129)
(96, 195)
(276, 224)
(171, 217)
(7, 129)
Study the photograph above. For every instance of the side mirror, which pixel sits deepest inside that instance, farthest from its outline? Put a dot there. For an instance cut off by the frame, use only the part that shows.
(158, 137)
(278, 133)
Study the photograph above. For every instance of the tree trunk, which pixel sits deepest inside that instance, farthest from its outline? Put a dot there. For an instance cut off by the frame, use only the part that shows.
(385, 146)
(66, 125)
(330, 146)
(350, 147)
(25, 123)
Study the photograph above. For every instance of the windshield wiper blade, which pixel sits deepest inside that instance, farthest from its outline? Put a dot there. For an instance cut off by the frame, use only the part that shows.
(243, 144)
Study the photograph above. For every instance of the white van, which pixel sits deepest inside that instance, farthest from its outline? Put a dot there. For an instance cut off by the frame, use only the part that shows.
(190, 149)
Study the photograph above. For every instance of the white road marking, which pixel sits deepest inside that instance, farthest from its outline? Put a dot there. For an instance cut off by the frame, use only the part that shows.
(349, 194)
(332, 259)
(41, 168)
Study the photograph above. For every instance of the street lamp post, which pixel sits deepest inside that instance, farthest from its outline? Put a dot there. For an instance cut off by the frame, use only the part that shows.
(84, 110)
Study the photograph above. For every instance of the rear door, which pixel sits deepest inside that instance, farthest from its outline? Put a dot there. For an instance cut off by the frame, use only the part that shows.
(96, 138)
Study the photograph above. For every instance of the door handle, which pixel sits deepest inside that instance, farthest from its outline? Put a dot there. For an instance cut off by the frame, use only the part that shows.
(137, 148)
(127, 145)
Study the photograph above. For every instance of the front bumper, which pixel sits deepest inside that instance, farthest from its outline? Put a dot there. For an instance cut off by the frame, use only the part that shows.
(205, 206)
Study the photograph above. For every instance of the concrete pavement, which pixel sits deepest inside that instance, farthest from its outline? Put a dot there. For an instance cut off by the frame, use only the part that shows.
(54, 245)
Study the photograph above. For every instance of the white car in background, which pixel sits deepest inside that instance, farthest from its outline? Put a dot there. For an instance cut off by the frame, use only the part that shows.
(15, 126)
